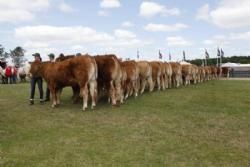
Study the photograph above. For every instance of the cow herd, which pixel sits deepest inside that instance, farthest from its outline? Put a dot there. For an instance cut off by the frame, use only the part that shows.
(107, 76)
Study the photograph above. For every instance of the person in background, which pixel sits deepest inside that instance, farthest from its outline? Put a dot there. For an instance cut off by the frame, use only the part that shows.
(8, 74)
(14, 75)
(38, 80)
(51, 59)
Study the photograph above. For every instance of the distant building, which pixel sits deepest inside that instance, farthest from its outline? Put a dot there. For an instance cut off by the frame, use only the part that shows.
(238, 70)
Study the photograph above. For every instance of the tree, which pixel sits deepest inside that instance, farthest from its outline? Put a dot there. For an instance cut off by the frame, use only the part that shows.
(3, 54)
(17, 56)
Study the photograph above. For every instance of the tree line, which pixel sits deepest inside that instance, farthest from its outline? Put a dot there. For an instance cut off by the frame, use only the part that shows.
(16, 55)
(213, 61)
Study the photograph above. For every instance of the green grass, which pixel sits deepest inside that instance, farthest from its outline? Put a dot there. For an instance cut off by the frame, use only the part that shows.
(202, 125)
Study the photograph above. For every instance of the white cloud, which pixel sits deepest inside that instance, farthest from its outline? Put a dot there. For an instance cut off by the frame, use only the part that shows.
(72, 38)
(203, 13)
(150, 9)
(228, 14)
(218, 40)
(224, 40)
(45, 33)
(164, 27)
(110, 4)
(65, 8)
(178, 41)
(240, 36)
(103, 13)
(77, 47)
(127, 24)
(124, 34)
(21, 10)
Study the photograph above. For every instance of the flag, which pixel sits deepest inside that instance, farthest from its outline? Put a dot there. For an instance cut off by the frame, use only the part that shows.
(184, 55)
(221, 53)
(160, 55)
(169, 56)
(218, 52)
(138, 55)
(206, 54)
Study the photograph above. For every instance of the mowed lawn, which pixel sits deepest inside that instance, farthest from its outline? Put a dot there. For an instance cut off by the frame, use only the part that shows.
(199, 125)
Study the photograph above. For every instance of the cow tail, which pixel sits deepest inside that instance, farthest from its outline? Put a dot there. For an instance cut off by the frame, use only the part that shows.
(96, 69)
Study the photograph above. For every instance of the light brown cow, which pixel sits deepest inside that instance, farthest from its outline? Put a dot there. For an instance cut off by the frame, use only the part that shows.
(186, 70)
(163, 75)
(132, 72)
(81, 71)
(109, 76)
(169, 72)
(156, 74)
(213, 72)
(202, 74)
(177, 74)
(219, 72)
(194, 74)
(208, 73)
(145, 75)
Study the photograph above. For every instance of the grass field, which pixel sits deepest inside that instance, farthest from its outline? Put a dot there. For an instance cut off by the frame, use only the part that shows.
(202, 125)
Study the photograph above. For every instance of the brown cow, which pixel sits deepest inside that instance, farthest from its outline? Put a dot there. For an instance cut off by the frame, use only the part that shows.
(176, 76)
(156, 74)
(219, 72)
(202, 74)
(186, 70)
(168, 76)
(225, 72)
(123, 84)
(81, 71)
(208, 73)
(213, 72)
(163, 75)
(132, 71)
(109, 76)
(145, 74)
(194, 74)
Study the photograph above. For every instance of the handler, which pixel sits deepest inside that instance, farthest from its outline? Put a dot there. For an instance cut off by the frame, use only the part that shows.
(38, 80)
(51, 59)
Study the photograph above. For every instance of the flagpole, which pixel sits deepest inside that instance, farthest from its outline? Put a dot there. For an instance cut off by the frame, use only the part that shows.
(221, 58)
(217, 64)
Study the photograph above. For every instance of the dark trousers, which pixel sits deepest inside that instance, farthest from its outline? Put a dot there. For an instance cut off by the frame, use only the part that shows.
(33, 82)
(47, 94)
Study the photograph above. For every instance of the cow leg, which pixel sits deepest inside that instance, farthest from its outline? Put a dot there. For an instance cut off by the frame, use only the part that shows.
(85, 96)
(135, 88)
(169, 82)
(159, 83)
(117, 89)
(58, 95)
(163, 82)
(150, 83)
(53, 93)
(166, 82)
(178, 81)
(112, 93)
(143, 84)
(93, 93)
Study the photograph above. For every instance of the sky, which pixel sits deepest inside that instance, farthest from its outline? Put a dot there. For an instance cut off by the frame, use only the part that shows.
(124, 26)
